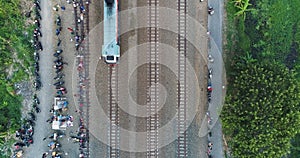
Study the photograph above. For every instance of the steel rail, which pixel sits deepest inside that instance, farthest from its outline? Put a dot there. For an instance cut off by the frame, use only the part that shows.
(182, 146)
(153, 79)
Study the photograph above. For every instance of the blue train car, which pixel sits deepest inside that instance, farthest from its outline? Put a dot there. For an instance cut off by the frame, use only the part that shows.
(111, 48)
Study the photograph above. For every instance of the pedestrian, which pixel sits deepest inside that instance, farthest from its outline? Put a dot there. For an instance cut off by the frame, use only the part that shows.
(57, 32)
(70, 29)
(45, 154)
(81, 16)
(74, 4)
(55, 8)
(209, 134)
(63, 8)
(82, 8)
(44, 138)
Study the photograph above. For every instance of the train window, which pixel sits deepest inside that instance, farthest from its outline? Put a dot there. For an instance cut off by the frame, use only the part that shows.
(110, 57)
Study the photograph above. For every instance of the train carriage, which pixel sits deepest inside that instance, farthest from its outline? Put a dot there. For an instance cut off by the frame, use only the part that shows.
(111, 48)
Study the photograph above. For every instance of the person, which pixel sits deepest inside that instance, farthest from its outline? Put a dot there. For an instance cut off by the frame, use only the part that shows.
(45, 155)
(70, 29)
(211, 10)
(57, 32)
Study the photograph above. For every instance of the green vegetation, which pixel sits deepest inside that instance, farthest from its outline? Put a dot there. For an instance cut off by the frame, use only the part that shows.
(261, 113)
(15, 57)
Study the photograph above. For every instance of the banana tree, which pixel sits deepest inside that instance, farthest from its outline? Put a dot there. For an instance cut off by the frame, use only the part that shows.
(243, 8)
(238, 2)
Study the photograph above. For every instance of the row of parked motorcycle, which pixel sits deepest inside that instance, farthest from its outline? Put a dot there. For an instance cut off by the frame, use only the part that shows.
(25, 133)
(37, 44)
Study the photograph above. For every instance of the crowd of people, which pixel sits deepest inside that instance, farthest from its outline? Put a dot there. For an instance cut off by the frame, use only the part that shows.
(59, 118)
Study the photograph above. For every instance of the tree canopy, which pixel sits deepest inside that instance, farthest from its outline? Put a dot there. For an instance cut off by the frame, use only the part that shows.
(261, 114)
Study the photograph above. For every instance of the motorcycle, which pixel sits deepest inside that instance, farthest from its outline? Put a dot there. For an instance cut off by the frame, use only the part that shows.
(36, 99)
(59, 83)
(36, 56)
(37, 84)
(36, 108)
(210, 73)
(61, 92)
(58, 63)
(37, 32)
(32, 116)
(59, 76)
(36, 65)
(62, 88)
(59, 59)
(37, 76)
(30, 122)
(59, 67)
(58, 21)
(57, 53)
(58, 42)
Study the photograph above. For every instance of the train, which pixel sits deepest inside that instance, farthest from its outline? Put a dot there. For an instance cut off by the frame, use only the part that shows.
(111, 47)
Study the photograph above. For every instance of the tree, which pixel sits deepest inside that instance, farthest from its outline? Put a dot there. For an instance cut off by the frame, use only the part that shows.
(261, 113)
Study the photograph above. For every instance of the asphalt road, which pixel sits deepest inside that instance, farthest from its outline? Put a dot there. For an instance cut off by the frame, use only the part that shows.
(47, 92)
(42, 128)
(215, 26)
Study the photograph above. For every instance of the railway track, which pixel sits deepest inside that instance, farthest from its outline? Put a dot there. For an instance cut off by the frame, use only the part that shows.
(114, 129)
(182, 146)
(83, 69)
(153, 79)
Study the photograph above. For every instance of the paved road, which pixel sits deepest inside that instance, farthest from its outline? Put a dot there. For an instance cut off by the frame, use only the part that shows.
(46, 94)
(215, 25)
(42, 129)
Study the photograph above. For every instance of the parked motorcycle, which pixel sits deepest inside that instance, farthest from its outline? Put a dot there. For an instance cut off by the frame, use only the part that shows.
(58, 83)
(36, 99)
(36, 56)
